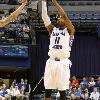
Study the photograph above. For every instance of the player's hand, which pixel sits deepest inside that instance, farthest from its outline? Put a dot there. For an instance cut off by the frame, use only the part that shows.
(54, 1)
(25, 1)
(44, 0)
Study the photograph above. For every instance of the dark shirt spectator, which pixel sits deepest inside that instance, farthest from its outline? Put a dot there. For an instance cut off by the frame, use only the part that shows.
(21, 83)
(98, 82)
(14, 83)
(91, 85)
(1, 82)
(84, 83)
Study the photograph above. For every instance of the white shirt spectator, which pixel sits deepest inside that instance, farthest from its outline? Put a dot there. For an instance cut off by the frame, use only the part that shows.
(10, 92)
(16, 91)
(92, 83)
(95, 95)
(26, 28)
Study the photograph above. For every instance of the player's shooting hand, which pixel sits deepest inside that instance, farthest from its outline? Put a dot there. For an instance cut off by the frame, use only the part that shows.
(25, 1)
(54, 1)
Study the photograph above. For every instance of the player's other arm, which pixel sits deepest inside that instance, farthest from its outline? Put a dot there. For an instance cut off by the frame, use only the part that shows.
(13, 15)
(45, 17)
(68, 23)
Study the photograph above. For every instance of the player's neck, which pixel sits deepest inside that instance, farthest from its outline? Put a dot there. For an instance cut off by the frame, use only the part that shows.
(60, 27)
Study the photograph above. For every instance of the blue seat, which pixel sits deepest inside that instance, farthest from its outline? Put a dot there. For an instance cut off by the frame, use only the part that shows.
(77, 16)
(83, 16)
(89, 16)
(71, 15)
(96, 16)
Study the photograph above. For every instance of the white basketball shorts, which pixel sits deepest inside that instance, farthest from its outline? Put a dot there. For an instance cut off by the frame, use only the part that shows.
(57, 74)
(59, 53)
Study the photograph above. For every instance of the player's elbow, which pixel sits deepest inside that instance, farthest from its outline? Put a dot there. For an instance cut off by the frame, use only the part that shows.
(72, 31)
(2, 25)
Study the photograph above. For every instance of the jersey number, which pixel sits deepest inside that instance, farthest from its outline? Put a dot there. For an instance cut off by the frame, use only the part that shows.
(57, 40)
(57, 46)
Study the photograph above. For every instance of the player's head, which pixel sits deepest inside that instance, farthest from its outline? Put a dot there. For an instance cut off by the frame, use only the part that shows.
(57, 20)
(60, 21)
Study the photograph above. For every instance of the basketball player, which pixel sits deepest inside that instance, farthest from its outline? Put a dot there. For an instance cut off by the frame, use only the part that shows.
(57, 72)
(13, 15)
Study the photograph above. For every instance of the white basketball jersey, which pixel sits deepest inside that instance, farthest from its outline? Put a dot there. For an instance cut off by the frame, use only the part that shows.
(59, 43)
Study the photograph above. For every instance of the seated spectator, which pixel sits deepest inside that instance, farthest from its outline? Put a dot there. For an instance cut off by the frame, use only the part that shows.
(75, 82)
(1, 31)
(98, 82)
(95, 94)
(21, 83)
(1, 93)
(23, 95)
(22, 92)
(91, 84)
(27, 87)
(4, 92)
(72, 93)
(1, 82)
(85, 94)
(10, 92)
(26, 28)
(78, 94)
(84, 83)
(17, 93)
(68, 94)
(14, 83)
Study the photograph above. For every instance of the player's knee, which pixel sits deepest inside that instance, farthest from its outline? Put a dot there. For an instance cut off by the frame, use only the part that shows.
(62, 95)
(48, 93)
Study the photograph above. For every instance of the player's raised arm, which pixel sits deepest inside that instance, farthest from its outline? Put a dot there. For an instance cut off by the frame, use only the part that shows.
(45, 16)
(62, 13)
(13, 15)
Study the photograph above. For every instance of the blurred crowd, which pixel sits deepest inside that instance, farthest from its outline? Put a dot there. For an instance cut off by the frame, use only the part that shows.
(17, 91)
(85, 89)
(18, 31)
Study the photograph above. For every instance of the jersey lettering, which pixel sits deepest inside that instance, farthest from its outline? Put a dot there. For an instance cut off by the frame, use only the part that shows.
(56, 34)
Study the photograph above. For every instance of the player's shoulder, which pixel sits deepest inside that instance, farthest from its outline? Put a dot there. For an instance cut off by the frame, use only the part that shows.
(50, 28)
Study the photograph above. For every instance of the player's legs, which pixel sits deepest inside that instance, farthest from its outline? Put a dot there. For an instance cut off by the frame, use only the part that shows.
(49, 75)
(62, 95)
(63, 75)
(49, 78)
(48, 94)
(63, 78)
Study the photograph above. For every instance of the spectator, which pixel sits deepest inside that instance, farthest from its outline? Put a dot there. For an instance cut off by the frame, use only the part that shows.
(4, 92)
(75, 82)
(21, 83)
(14, 83)
(78, 94)
(91, 84)
(23, 95)
(85, 94)
(84, 83)
(27, 88)
(1, 93)
(22, 92)
(17, 93)
(11, 92)
(26, 28)
(1, 82)
(98, 82)
(95, 94)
